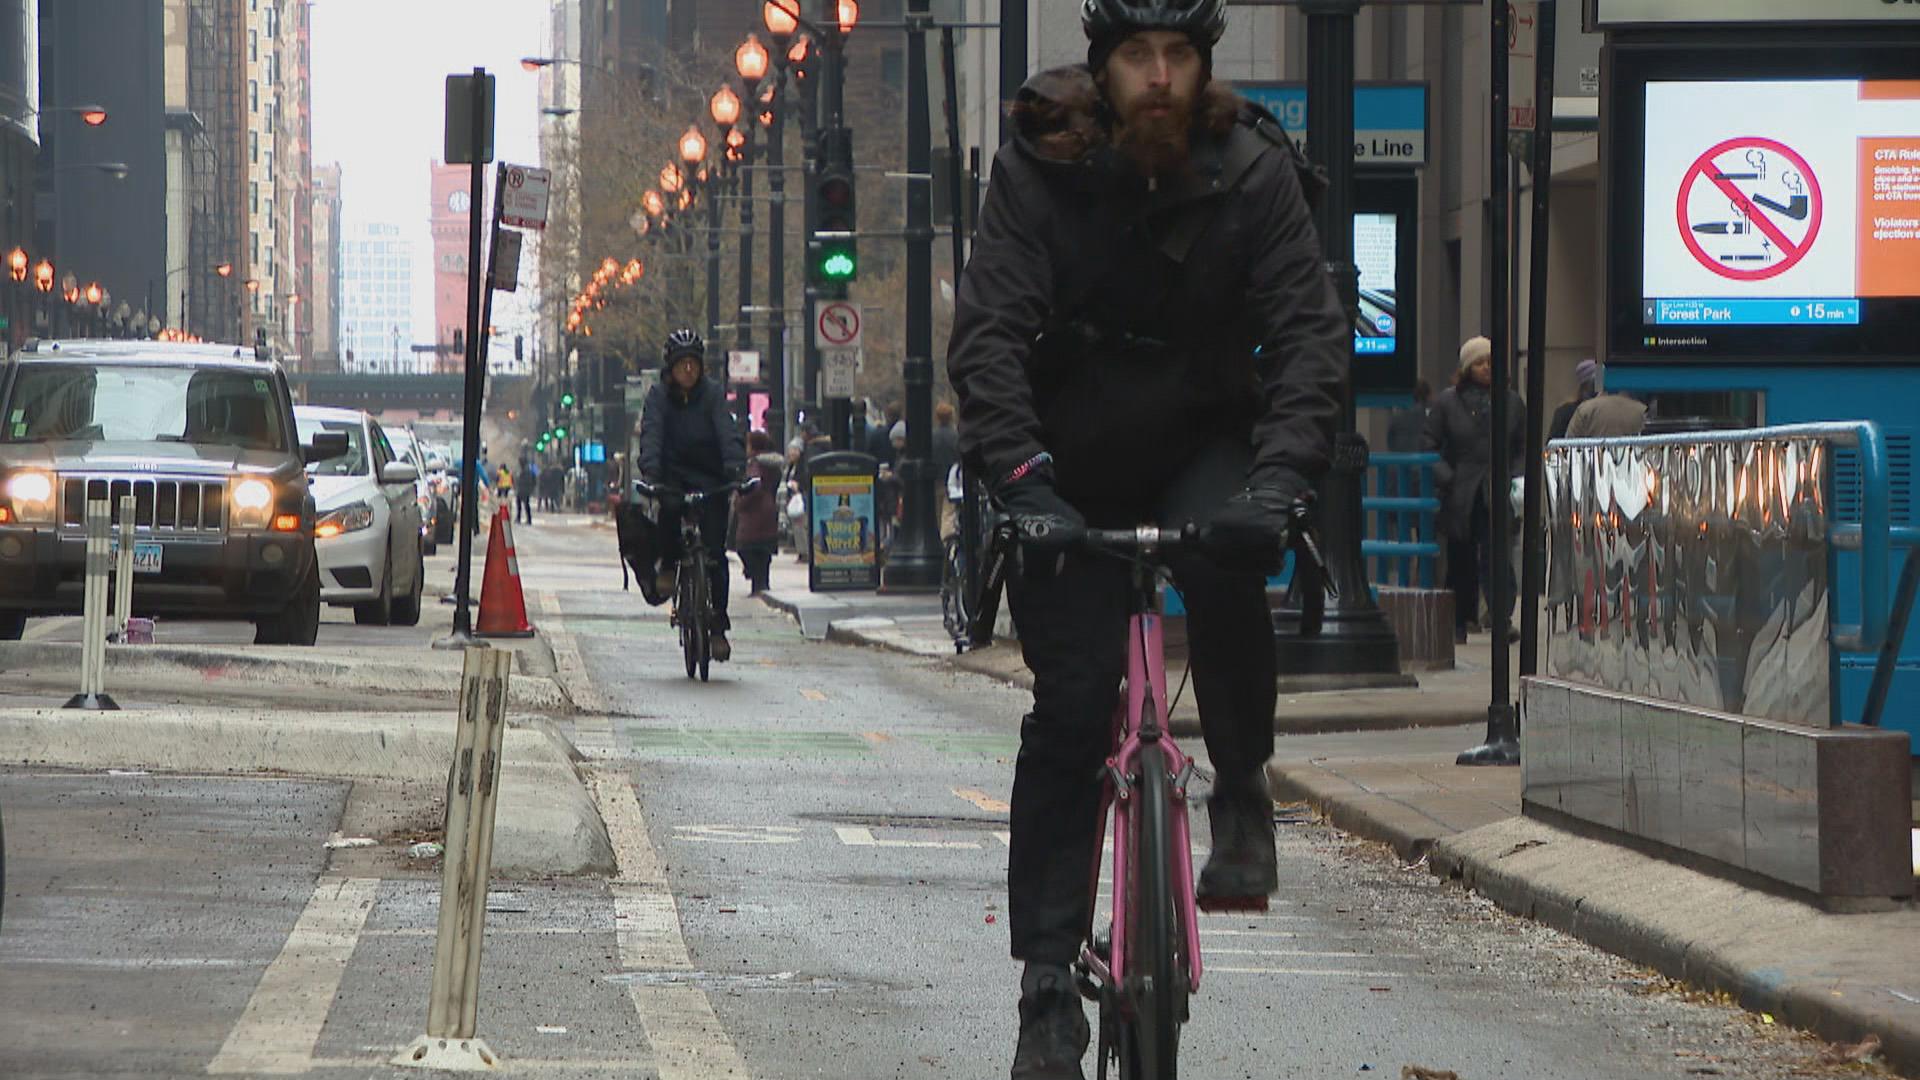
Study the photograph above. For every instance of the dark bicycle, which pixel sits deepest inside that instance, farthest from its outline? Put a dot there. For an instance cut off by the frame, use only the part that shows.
(692, 605)
(974, 556)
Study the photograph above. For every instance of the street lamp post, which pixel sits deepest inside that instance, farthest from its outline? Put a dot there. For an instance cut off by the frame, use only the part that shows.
(781, 25)
(751, 62)
(1356, 645)
(724, 108)
(914, 560)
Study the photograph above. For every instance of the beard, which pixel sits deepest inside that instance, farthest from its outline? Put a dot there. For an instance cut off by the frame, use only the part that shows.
(1158, 143)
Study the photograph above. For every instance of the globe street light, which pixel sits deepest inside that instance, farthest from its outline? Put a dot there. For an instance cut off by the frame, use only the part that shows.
(751, 60)
(781, 19)
(671, 179)
(725, 108)
(693, 146)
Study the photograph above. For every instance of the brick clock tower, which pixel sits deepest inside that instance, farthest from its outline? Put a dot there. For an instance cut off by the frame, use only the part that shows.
(448, 215)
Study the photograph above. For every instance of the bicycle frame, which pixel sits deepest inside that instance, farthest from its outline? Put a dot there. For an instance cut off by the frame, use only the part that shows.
(1146, 700)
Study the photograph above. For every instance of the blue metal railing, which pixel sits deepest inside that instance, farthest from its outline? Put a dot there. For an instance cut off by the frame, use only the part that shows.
(1401, 508)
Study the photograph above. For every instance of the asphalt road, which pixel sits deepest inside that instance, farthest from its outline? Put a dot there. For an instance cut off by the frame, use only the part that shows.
(812, 885)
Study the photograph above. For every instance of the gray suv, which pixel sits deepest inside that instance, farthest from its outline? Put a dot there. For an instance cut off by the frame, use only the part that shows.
(203, 439)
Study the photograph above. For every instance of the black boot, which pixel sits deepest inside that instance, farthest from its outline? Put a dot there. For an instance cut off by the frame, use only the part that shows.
(1242, 865)
(1053, 1026)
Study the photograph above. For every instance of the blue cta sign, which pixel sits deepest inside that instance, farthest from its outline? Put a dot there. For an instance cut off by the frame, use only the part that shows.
(1389, 119)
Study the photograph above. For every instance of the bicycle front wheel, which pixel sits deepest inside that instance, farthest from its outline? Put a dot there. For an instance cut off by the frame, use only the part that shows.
(1155, 978)
(693, 618)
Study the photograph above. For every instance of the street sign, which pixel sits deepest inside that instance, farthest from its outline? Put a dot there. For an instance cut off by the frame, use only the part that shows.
(1523, 53)
(506, 262)
(839, 373)
(1622, 13)
(1389, 119)
(1750, 209)
(459, 133)
(838, 326)
(743, 366)
(523, 202)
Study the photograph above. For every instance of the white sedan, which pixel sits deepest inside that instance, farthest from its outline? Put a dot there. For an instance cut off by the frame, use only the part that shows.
(367, 520)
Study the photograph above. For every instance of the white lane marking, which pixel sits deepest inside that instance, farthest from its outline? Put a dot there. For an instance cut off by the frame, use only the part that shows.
(593, 724)
(282, 1021)
(686, 1036)
(1006, 838)
(1319, 973)
(492, 931)
(142, 963)
(737, 834)
(859, 836)
(1325, 955)
(574, 1066)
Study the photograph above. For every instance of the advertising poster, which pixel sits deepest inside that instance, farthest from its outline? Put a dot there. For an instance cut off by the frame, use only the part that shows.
(1778, 203)
(843, 532)
(1376, 251)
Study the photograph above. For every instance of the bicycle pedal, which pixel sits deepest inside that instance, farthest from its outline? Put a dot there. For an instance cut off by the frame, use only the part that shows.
(1218, 904)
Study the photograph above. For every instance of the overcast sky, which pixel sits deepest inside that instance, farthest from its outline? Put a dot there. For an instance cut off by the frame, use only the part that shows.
(379, 87)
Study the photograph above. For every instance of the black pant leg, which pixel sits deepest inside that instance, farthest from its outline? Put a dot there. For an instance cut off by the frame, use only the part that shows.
(1229, 626)
(1073, 636)
(713, 533)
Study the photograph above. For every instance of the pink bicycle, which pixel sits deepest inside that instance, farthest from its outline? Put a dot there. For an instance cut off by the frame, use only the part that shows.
(1144, 967)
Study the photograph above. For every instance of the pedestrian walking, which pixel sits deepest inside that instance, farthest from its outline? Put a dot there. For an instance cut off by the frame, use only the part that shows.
(757, 513)
(946, 455)
(1587, 372)
(524, 492)
(1460, 430)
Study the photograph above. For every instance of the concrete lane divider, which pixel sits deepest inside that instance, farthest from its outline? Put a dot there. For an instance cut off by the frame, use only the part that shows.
(95, 616)
(451, 1042)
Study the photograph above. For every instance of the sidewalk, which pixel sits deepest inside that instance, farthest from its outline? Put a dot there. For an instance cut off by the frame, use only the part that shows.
(912, 624)
(1844, 977)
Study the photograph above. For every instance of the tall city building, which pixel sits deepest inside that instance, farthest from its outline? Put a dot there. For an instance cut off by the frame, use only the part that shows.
(376, 301)
(19, 146)
(324, 314)
(214, 138)
(447, 213)
(292, 182)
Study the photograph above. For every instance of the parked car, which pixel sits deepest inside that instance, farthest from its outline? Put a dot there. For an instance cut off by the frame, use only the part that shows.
(367, 524)
(413, 452)
(203, 438)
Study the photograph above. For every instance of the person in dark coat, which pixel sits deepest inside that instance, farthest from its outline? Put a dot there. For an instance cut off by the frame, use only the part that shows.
(1588, 372)
(757, 513)
(1146, 331)
(688, 442)
(1408, 427)
(1460, 430)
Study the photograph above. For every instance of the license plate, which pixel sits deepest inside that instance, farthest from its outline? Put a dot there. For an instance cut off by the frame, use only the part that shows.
(146, 557)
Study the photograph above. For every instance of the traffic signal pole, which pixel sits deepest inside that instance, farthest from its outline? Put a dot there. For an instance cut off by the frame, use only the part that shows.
(776, 361)
(743, 333)
(914, 561)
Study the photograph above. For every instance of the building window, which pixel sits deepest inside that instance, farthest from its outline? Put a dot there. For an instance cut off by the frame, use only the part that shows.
(253, 196)
(253, 146)
(253, 95)
(253, 45)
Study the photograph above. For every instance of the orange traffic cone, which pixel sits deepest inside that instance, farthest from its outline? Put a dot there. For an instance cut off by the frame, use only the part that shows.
(503, 607)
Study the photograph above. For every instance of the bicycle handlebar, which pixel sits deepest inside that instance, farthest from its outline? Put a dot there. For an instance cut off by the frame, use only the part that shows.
(654, 491)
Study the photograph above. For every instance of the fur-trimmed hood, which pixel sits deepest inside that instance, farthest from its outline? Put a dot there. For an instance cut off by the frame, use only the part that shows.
(1061, 115)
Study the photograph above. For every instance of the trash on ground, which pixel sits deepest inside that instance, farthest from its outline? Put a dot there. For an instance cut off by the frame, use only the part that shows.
(1848, 1053)
(425, 849)
(1421, 1072)
(550, 1029)
(336, 842)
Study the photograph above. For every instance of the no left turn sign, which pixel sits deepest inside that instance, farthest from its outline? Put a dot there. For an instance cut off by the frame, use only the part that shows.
(1750, 209)
(838, 326)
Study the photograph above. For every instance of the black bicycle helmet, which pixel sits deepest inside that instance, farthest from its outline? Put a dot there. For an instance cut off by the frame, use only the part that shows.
(1109, 22)
(683, 343)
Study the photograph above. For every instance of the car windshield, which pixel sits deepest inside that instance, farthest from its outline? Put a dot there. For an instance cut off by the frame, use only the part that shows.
(353, 462)
(143, 403)
(402, 443)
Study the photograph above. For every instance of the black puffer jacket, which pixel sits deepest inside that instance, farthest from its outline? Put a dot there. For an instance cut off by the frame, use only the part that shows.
(1116, 325)
(689, 440)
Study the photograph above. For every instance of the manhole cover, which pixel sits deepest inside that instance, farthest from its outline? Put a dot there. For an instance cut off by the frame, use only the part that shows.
(909, 821)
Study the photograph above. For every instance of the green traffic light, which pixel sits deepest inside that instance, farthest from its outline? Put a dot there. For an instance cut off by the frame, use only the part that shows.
(560, 433)
(838, 267)
(566, 401)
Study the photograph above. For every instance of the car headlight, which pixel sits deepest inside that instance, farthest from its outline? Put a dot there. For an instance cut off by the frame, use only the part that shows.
(349, 518)
(252, 504)
(31, 496)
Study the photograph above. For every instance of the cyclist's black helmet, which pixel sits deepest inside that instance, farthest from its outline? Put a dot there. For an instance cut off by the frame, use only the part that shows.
(683, 343)
(1109, 22)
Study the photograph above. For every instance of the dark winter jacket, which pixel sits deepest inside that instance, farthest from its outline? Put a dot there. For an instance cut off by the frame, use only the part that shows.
(757, 521)
(689, 441)
(1115, 324)
(1460, 430)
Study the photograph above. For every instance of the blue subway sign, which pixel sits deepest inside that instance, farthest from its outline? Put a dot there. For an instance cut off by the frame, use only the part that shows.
(1389, 119)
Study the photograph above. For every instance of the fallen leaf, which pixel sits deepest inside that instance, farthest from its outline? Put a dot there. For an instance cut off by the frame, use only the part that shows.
(1851, 1052)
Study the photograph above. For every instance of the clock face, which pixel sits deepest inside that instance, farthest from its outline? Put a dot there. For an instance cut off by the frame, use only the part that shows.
(459, 202)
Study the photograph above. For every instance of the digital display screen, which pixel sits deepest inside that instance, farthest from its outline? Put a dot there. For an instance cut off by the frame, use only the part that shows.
(1376, 251)
(1772, 214)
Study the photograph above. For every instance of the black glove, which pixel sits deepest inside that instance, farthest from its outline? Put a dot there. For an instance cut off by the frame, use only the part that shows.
(1250, 531)
(1046, 523)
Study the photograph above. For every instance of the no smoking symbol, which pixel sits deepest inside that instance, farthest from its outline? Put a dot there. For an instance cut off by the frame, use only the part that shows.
(1750, 209)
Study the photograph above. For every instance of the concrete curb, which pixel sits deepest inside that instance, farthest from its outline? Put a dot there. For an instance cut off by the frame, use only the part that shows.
(547, 824)
(202, 667)
(814, 613)
(1773, 955)
(883, 633)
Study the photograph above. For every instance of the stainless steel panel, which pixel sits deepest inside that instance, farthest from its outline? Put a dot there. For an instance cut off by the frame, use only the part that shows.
(1543, 742)
(1594, 789)
(1694, 571)
(1782, 805)
(1712, 811)
(1650, 770)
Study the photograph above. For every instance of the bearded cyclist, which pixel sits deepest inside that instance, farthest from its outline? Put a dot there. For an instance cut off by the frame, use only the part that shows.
(689, 442)
(1145, 331)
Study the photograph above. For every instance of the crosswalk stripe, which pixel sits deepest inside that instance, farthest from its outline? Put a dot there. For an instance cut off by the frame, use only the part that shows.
(860, 836)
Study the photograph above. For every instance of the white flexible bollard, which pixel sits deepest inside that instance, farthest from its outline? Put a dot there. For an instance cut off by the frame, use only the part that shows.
(123, 572)
(94, 614)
